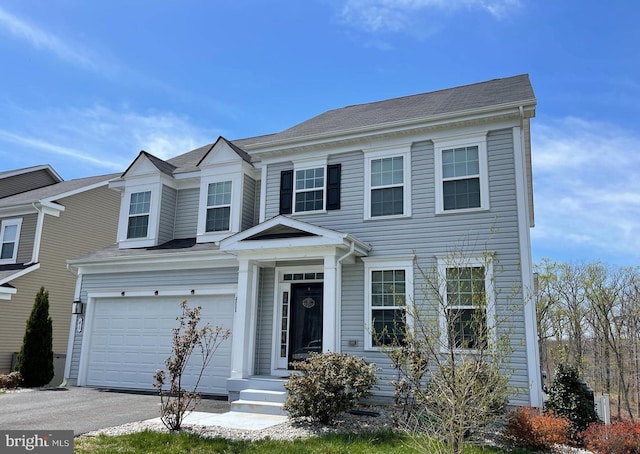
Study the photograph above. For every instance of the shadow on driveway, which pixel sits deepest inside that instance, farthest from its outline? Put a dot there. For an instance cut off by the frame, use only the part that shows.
(84, 409)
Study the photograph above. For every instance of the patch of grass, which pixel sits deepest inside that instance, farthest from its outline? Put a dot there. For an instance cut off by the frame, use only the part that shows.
(161, 443)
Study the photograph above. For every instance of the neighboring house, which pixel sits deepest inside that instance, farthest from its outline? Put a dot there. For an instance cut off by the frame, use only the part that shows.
(308, 239)
(44, 221)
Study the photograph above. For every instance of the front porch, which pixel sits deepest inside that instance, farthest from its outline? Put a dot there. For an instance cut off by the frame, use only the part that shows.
(289, 296)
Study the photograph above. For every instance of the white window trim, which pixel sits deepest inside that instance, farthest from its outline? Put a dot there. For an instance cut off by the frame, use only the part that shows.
(235, 213)
(390, 152)
(225, 205)
(306, 165)
(476, 140)
(6, 223)
(466, 262)
(152, 227)
(385, 264)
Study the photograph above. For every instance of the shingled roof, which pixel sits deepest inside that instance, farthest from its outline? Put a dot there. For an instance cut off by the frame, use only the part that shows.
(496, 92)
(54, 191)
(493, 93)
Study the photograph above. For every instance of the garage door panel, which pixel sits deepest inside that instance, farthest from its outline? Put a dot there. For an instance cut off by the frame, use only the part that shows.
(131, 338)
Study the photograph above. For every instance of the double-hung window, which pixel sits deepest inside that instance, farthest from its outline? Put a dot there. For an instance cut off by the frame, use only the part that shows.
(461, 175)
(139, 208)
(389, 291)
(309, 189)
(9, 236)
(387, 182)
(218, 207)
(468, 305)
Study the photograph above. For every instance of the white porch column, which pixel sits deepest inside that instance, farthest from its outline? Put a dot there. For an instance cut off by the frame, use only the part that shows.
(243, 332)
(329, 305)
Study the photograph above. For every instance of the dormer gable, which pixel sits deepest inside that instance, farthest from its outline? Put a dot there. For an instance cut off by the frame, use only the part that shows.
(148, 164)
(224, 152)
(224, 171)
(142, 186)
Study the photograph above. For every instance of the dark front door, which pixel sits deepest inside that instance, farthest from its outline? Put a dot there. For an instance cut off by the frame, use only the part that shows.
(305, 333)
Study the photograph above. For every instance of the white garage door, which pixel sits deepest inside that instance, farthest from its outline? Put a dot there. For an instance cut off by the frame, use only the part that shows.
(131, 339)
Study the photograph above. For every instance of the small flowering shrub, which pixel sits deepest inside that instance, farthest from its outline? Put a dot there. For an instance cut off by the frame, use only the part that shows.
(528, 428)
(11, 380)
(622, 437)
(330, 384)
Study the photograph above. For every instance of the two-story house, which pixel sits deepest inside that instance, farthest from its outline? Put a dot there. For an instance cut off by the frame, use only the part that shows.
(44, 221)
(312, 239)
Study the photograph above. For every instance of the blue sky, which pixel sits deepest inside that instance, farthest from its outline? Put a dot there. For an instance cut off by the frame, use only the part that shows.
(86, 85)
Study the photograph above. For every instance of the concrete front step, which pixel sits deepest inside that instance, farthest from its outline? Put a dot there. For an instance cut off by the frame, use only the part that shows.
(263, 395)
(258, 407)
(260, 401)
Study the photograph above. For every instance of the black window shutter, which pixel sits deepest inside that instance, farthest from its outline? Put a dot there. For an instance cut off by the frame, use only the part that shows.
(333, 186)
(286, 191)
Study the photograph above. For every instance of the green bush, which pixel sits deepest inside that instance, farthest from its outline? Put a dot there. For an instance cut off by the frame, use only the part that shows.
(569, 397)
(35, 360)
(329, 384)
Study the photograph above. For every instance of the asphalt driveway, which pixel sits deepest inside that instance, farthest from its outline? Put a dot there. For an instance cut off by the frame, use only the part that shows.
(83, 409)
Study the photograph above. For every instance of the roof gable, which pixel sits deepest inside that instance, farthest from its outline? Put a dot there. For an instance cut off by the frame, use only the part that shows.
(288, 232)
(146, 163)
(223, 152)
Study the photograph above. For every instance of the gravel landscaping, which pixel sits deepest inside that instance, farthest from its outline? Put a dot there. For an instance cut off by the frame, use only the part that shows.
(288, 430)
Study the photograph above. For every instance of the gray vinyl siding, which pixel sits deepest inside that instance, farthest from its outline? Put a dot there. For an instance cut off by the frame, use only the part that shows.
(428, 235)
(248, 203)
(186, 224)
(27, 238)
(167, 214)
(256, 210)
(166, 279)
(25, 182)
(264, 329)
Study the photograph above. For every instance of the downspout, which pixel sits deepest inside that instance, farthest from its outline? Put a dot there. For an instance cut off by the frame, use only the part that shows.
(35, 254)
(338, 321)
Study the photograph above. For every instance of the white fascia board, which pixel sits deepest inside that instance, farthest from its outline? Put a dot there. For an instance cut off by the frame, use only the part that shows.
(155, 263)
(299, 243)
(78, 191)
(210, 290)
(20, 273)
(508, 109)
(17, 210)
(7, 292)
(287, 253)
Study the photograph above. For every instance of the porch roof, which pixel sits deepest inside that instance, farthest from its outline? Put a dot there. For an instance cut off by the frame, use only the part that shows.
(284, 232)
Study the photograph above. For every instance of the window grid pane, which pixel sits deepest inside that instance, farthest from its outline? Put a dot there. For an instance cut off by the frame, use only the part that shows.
(140, 203)
(309, 189)
(460, 162)
(219, 194)
(387, 201)
(7, 250)
(389, 326)
(218, 219)
(388, 288)
(138, 226)
(460, 194)
(466, 314)
(387, 171)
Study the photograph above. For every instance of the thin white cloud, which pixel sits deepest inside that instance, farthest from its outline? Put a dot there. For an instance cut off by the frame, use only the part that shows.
(587, 190)
(103, 138)
(398, 15)
(41, 39)
(47, 147)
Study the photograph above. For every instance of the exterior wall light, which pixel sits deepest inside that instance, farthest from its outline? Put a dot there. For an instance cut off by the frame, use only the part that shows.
(77, 307)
